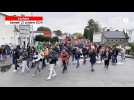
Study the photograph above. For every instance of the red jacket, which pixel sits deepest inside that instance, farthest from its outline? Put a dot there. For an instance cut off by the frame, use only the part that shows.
(64, 56)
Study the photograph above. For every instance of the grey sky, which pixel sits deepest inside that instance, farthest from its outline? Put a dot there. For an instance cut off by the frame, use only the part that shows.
(76, 21)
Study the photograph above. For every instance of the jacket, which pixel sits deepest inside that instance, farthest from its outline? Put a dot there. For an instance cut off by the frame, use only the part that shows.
(53, 57)
(92, 57)
(107, 57)
(77, 55)
(115, 52)
(84, 51)
(64, 56)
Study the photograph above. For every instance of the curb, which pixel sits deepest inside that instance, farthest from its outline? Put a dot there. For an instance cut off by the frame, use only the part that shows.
(130, 57)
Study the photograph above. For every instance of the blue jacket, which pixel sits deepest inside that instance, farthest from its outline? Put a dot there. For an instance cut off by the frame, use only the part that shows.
(77, 55)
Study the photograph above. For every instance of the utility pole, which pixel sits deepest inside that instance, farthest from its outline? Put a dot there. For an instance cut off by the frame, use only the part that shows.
(31, 32)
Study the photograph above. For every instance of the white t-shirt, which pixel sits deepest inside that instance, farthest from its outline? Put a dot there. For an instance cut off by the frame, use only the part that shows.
(123, 51)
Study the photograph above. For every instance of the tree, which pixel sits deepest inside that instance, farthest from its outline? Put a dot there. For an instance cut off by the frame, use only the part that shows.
(54, 39)
(78, 35)
(90, 29)
(42, 38)
(58, 32)
(43, 29)
(39, 38)
(47, 39)
(131, 51)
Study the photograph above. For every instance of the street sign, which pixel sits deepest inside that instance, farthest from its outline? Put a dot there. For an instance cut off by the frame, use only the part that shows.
(24, 27)
(97, 37)
(24, 32)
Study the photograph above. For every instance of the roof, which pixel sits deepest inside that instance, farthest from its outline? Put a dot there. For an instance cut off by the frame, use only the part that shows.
(98, 33)
(3, 14)
(114, 34)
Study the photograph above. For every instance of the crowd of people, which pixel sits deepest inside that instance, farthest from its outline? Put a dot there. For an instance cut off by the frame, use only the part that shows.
(26, 59)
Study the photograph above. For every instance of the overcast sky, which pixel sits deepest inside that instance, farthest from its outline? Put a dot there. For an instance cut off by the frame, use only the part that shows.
(76, 21)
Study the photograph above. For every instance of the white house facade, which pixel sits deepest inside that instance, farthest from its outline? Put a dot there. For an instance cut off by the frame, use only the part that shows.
(24, 34)
(131, 35)
(7, 32)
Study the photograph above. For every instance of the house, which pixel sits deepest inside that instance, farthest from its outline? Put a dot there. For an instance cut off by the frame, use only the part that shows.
(114, 37)
(131, 36)
(8, 35)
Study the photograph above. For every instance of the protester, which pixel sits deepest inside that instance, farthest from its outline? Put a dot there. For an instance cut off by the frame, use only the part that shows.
(24, 62)
(16, 56)
(37, 63)
(92, 58)
(30, 58)
(85, 54)
(52, 61)
(102, 54)
(114, 55)
(107, 57)
(123, 51)
(64, 58)
(77, 57)
(73, 53)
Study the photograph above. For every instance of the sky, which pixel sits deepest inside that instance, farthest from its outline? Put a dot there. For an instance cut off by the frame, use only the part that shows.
(72, 22)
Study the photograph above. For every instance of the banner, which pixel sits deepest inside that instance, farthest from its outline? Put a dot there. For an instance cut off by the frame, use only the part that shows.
(23, 20)
(47, 34)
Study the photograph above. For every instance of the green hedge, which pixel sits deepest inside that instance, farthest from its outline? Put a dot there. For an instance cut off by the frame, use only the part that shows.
(131, 51)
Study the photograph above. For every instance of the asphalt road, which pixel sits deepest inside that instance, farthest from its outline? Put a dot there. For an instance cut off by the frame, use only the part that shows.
(119, 75)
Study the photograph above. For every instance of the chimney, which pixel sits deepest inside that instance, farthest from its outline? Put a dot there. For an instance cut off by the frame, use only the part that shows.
(116, 30)
(108, 29)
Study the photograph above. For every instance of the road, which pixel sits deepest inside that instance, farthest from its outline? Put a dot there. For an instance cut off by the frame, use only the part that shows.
(119, 75)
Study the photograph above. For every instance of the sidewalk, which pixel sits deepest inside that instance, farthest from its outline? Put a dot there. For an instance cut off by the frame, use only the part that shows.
(129, 56)
(8, 61)
(6, 65)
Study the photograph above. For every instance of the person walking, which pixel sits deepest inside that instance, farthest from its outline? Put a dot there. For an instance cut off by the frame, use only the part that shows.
(24, 62)
(92, 55)
(67, 48)
(73, 53)
(107, 57)
(37, 63)
(29, 57)
(84, 53)
(114, 55)
(123, 51)
(52, 61)
(42, 59)
(64, 58)
(102, 54)
(77, 57)
(16, 56)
